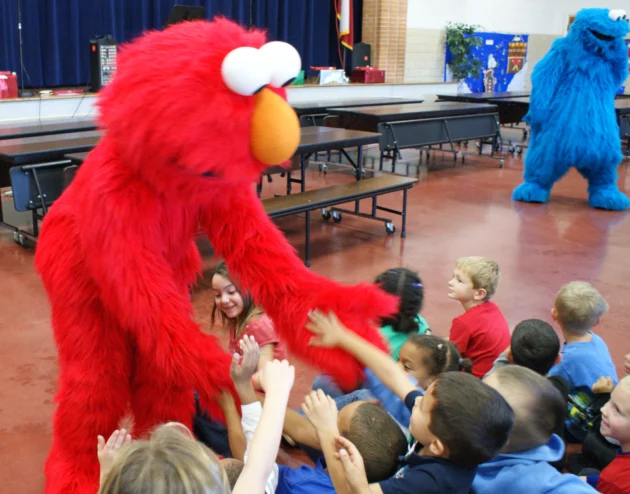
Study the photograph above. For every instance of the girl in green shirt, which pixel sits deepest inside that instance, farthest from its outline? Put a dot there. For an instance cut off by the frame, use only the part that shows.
(407, 286)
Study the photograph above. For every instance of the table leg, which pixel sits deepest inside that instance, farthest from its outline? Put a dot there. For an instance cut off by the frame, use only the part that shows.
(403, 233)
(307, 245)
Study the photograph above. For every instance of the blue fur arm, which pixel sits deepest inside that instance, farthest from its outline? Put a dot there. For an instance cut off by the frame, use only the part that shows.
(620, 65)
(545, 81)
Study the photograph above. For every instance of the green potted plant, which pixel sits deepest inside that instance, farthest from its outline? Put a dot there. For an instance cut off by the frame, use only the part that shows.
(460, 40)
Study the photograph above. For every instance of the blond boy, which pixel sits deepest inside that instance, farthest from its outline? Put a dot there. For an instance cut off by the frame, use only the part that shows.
(585, 356)
(481, 333)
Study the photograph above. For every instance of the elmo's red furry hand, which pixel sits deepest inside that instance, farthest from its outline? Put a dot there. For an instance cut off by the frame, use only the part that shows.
(258, 255)
(117, 251)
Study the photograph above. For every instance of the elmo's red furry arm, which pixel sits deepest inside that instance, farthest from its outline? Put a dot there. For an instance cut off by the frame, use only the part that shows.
(138, 286)
(265, 265)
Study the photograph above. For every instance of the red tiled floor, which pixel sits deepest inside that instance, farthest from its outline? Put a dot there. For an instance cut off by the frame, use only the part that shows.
(453, 212)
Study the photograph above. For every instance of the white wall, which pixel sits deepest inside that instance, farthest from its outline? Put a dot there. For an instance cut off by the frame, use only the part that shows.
(543, 20)
(509, 16)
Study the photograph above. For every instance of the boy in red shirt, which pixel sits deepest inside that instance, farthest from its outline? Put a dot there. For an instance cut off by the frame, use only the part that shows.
(615, 478)
(481, 333)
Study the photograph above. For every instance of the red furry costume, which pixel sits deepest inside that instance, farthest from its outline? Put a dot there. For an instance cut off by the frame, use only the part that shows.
(117, 252)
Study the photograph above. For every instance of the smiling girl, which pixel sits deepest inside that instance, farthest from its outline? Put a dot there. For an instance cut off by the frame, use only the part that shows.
(240, 316)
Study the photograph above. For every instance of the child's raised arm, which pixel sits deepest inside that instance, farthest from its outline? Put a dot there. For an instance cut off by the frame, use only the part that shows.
(330, 332)
(277, 380)
(236, 436)
(321, 411)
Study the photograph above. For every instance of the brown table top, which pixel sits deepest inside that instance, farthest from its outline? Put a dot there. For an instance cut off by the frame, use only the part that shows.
(411, 112)
(481, 97)
(52, 127)
(50, 147)
(322, 106)
(327, 138)
(313, 139)
(622, 105)
(524, 100)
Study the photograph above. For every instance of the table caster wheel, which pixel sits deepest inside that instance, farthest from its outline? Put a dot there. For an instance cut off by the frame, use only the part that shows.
(325, 214)
(21, 240)
(390, 228)
(520, 151)
(336, 216)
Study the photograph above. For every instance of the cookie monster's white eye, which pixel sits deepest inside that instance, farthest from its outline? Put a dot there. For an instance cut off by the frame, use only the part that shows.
(245, 71)
(284, 61)
(617, 14)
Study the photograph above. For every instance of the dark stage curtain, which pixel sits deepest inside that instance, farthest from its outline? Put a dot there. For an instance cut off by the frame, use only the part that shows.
(56, 33)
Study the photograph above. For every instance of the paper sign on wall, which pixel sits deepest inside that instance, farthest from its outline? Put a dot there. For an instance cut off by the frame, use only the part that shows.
(504, 59)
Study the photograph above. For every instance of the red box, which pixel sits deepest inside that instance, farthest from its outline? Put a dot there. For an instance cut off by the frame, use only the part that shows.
(8, 85)
(367, 75)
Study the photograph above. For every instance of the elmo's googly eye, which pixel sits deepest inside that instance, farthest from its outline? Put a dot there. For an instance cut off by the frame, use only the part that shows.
(245, 71)
(617, 15)
(284, 61)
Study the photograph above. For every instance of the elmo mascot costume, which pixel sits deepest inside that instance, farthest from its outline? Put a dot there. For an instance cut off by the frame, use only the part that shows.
(192, 117)
(572, 110)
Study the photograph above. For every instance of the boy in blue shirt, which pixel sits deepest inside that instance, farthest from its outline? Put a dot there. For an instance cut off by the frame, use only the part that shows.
(523, 465)
(376, 434)
(585, 356)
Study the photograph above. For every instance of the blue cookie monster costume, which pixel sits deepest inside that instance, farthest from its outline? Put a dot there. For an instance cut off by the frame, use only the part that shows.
(572, 113)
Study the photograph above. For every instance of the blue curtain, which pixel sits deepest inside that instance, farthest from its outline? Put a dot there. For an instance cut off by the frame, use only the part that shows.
(56, 33)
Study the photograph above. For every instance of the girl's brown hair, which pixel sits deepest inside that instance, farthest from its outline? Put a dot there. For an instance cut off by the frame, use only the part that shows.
(169, 462)
(250, 309)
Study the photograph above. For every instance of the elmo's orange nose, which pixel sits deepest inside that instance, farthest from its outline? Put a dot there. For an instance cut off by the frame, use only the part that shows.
(275, 132)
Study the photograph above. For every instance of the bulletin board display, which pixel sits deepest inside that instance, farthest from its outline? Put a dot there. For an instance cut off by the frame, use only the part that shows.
(504, 58)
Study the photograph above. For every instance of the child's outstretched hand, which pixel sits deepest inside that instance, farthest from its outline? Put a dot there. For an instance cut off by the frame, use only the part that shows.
(352, 466)
(107, 451)
(603, 385)
(242, 374)
(277, 377)
(327, 328)
(321, 411)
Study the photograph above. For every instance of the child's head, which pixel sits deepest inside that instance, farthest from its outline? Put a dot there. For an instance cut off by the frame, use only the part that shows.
(170, 461)
(376, 435)
(234, 308)
(462, 419)
(616, 415)
(407, 286)
(538, 406)
(233, 469)
(534, 345)
(474, 279)
(578, 307)
(424, 357)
